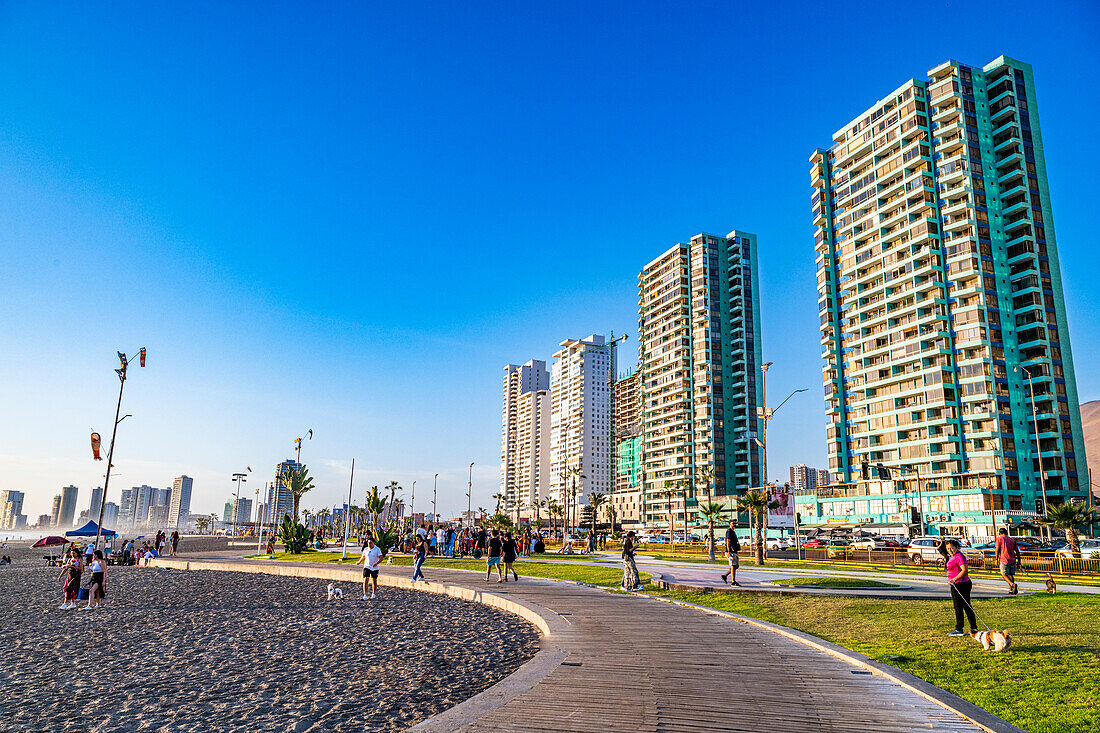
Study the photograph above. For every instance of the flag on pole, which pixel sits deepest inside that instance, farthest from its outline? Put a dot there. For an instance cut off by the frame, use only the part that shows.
(141, 356)
(95, 446)
(311, 433)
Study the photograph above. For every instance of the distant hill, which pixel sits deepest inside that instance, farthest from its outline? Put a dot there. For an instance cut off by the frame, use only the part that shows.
(1090, 419)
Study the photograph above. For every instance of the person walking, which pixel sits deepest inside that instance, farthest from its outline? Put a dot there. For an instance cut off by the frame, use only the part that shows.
(959, 579)
(175, 541)
(496, 548)
(71, 573)
(1008, 556)
(370, 559)
(421, 554)
(733, 546)
(99, 581)
(631, 580)
(510, 551)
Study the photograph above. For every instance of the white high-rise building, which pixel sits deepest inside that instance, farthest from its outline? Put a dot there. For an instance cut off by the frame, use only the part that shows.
(243, 514)
(11, 506)
(140, 499)
(580, 421)
(93, 505)
(179, 510)
(525, 436)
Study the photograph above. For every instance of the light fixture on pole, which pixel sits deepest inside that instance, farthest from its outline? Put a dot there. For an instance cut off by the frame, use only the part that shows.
(238, 477)
(121, 372)
(469, 493)
(347, 509)
(1038, 444)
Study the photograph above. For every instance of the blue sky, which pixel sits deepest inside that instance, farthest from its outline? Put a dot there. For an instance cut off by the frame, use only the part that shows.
(349, 216)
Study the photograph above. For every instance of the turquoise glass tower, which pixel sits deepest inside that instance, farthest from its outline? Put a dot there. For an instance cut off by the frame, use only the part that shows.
(948, 372)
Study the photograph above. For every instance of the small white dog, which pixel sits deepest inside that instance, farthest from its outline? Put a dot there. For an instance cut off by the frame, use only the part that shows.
(999, 641)
(335, 592)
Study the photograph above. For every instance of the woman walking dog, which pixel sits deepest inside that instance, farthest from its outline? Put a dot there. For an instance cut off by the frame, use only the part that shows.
(961, 586)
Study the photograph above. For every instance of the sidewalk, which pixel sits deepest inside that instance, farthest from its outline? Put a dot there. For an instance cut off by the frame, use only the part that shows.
(620, 662)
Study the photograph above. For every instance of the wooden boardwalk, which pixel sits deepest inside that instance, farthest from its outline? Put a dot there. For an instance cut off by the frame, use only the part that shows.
(628, 663)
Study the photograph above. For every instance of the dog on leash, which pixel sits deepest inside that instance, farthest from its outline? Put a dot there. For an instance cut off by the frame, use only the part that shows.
(335, 592)
(999, 641)
(1052, 587)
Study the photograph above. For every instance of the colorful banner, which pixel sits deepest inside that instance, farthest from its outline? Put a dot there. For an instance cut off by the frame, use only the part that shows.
(783, 513)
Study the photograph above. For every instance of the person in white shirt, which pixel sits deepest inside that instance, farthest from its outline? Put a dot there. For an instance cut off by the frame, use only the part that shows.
(370, 559)
(440, 540)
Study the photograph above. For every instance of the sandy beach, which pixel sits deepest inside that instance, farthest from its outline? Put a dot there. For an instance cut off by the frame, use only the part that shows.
(189, 651)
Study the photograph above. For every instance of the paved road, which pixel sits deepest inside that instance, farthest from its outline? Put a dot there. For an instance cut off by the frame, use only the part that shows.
(630, 663)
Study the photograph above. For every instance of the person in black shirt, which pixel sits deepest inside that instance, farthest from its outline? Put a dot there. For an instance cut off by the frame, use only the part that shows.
(732, 548)
(631, 581)
(510, 550)
(496, 548)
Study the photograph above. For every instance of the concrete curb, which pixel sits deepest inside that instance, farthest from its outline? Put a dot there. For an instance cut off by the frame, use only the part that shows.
(778, 589)
(980, 717)
(550, 625)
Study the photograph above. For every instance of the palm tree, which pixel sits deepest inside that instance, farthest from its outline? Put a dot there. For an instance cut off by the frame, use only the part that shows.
(305, 516)
(757, 503)
(555, 511)
(393, 489)
(1068, 517)
(706, 477)
(323, 515)
(596, 500)
(376, 504)
(202, 523)
(297, 482)
(499, 498)
(683, 486)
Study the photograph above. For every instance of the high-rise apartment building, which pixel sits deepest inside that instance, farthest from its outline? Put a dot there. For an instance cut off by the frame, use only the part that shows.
(67, 509)
(93, 505)
(110, 515)
(280, 501)
(243, 515)
(11, 507)
(940, 294)
(580, 422)
(179, 511)
(525, 437)
(135, 505)
(626, 497)
(227, 512)
(55, 511)
(803, 477)
(699, 357)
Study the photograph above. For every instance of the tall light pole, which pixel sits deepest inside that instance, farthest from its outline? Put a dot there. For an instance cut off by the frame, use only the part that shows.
(238, 477)
(412, 507)
(766, 414)
(347, 510)
(435, 487)
(121, 372)
(469, 492)
(1038, 444)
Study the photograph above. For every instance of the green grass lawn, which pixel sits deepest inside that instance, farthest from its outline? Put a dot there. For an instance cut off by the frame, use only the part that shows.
(604, 576)
(1049, 682)
(825, 582)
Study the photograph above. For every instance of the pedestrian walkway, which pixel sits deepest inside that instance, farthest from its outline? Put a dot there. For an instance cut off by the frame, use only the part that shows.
(619, 662)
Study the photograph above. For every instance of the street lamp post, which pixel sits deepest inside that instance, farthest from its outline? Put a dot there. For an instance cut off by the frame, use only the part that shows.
(1038, 444)
(469, 492)
(238, 477)
(121, 372)
(765, 414)
(435, 489)
(412, 507)
(347, 511)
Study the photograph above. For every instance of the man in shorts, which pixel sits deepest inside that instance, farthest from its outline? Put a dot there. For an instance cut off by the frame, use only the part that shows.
(371, 559)
(732, 548)
(1008, 555)
(496, 552)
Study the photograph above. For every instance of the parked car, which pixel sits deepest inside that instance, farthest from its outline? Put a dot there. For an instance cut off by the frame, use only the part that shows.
(1090, 550)
(776, 543)
(924, 550)
(868, 543)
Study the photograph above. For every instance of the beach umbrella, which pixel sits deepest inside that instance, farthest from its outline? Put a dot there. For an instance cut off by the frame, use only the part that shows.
(51, 541)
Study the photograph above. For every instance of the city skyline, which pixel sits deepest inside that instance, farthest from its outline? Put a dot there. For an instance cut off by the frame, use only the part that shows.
(180, 235)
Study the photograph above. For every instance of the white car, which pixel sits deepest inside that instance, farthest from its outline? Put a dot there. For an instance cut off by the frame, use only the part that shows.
(868, 543)
(1090, 550)
(776, 543)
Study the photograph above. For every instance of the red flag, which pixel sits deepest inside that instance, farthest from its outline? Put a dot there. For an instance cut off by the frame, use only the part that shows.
(95, 446)
(311, 433)
(141, 355)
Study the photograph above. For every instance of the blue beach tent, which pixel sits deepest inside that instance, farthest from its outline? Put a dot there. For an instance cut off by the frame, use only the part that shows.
(89, 530)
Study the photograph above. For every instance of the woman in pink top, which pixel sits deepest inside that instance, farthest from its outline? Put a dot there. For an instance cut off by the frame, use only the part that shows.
(960, 583)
